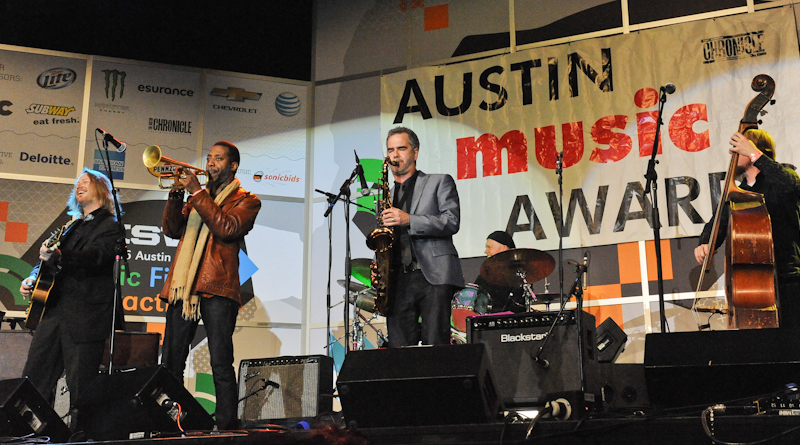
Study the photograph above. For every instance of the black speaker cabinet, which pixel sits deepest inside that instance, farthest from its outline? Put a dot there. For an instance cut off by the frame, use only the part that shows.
(623, 386)
(14, 352)
(133, 349)
(512, 342)
(611, 341)
(285, 388)
(423, 385)
(704, 368)
(24, 411)
(130, 404)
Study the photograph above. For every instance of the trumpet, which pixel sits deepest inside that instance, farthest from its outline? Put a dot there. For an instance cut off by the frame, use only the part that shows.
(163, 167)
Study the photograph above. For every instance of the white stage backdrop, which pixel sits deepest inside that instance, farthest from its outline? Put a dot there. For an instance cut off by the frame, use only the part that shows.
(496, 125)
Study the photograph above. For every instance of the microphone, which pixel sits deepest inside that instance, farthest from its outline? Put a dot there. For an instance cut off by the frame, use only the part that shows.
(669, 88)
(121, 146)
(543, 362)
(364, 188)
(268, 382)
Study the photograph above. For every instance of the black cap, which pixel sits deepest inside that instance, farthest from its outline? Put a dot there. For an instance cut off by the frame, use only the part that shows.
(502, 238)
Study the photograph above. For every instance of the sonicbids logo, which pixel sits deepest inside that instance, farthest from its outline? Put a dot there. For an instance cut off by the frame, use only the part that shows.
(602, 132)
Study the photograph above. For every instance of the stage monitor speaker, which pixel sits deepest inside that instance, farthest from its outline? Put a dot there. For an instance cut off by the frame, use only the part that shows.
(610, 341)
(622, 386)
(512, 342)
(135, 403)
(24, 411)
(414, 386)
(705, 368)
(285, 388)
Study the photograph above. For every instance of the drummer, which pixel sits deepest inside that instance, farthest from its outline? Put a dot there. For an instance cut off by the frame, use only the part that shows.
(503, 298)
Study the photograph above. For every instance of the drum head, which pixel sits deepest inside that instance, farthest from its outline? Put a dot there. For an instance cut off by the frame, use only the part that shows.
(468, 302)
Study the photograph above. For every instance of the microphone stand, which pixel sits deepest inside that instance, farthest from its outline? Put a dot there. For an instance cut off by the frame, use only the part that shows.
(344, 192)
(560, 173)
(121, 254)
(577, 291)
(652, 186)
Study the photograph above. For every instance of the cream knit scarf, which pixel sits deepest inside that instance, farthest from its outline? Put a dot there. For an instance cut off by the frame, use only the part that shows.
(188, 261)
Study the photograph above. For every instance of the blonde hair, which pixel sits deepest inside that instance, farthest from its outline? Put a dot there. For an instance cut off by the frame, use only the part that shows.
(762, 140)
(100, 185)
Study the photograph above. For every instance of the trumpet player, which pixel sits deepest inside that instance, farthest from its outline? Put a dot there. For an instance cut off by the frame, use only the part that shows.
(425, 215)
(203, 280)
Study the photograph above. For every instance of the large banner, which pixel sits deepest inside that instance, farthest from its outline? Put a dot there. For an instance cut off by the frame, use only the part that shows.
(41, 99)
(498, 124)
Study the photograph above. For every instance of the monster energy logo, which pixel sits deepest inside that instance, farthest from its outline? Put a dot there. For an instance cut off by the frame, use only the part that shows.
(114, 78)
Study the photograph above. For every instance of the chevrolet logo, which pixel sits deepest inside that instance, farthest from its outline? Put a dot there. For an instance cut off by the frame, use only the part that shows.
(237, 94)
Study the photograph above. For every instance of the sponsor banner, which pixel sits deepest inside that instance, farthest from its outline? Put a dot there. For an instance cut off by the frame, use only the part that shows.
(41, 98)
(267, 121)
(145, 106)
(496, 125)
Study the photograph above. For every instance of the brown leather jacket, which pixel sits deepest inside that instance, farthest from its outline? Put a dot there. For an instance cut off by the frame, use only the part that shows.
(218, 273)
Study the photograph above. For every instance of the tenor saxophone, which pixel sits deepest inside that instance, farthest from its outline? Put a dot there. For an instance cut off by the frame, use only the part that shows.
(381, 241)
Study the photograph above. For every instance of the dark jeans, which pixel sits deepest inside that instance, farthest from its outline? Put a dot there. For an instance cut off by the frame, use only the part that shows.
(219, 319)
(53, 352)
(415, 298)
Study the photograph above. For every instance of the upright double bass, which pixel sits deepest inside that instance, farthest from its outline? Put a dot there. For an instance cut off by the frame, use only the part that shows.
(750, 273)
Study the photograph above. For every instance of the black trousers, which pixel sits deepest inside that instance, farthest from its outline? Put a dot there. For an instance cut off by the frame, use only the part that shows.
(54, 352)
(416, 298)
(219, 319)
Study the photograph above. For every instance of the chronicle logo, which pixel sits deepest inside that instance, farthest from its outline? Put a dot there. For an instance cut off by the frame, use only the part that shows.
(4, 104)
(740, 46)
(169, 125)
(52, 110)
(56, 78)
(114, 79)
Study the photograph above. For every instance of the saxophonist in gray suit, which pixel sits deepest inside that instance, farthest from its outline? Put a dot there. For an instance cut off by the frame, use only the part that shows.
(425, 215)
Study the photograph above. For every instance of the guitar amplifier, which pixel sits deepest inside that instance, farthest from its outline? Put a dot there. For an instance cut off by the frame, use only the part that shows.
(285, 388)
(512, 342)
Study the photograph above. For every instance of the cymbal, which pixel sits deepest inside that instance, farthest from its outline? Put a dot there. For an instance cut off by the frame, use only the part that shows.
(502, 269)
(354, 287)
(360, 269)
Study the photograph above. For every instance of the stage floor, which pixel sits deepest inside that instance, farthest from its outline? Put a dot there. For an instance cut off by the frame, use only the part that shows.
(655, 430)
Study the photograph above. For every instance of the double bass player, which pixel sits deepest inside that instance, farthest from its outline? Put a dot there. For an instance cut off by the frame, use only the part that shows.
(780, 185)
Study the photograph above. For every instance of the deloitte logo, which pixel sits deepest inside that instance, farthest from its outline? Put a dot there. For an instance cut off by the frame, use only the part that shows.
(287, 104)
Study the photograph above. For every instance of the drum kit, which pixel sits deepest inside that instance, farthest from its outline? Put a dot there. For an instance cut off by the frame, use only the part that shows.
(514, 268)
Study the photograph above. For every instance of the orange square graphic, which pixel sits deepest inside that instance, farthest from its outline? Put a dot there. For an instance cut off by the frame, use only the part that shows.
(157, 327)
(3, 211)
(628, 257)
(16, 232)
(602, 292)
(602, 312)
(437, 17)
(652, 264)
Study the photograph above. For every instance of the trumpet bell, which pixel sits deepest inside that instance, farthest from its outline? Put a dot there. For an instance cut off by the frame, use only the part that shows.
(163, 167)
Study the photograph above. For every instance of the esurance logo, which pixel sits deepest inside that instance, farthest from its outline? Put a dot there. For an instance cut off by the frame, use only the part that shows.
(740, 46)
(56, 78)
(508, 338)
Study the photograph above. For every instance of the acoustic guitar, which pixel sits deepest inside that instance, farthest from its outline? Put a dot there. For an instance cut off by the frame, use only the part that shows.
(45, 280)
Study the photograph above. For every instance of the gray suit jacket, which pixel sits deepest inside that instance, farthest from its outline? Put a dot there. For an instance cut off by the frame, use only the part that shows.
(435, 217)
